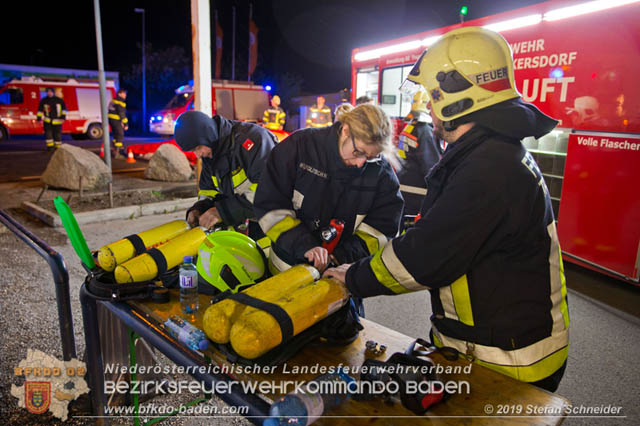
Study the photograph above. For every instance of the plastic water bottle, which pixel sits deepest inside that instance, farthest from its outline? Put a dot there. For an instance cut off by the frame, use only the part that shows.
(186, 333)
(304, 408)
(188, 286)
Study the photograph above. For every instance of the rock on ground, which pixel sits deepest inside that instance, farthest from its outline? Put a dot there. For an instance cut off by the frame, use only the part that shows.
(168, 164)
(69, 163)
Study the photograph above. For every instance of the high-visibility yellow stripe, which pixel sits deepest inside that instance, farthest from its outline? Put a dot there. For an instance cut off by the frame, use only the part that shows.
(402, 154)
(117, 102)
(529, 364)
(114, 116)
(370, 241)
(125, 120)
(462, 300)
(238, 176)
(208, 192)
(383, 276)
(253, 187)
(283, 226)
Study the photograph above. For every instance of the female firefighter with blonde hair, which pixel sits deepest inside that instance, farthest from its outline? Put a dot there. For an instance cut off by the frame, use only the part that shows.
(337, 172)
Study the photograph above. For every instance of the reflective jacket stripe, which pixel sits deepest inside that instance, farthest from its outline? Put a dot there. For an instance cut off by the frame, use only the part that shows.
(117, 102)
(559, 309)
(391, 272)
(413, 189)
(529, 364)
(56, 121)
(371, 236)
(277, 265)
(208, 193)
(276, 222)
(114, 116)
(456, 301)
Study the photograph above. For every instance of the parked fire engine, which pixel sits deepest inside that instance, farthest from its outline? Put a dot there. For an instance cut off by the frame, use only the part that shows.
(579, 63)
(19, 99)
(235, 100)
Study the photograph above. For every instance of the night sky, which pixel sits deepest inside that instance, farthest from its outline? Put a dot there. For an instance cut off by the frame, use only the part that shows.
(310, 39)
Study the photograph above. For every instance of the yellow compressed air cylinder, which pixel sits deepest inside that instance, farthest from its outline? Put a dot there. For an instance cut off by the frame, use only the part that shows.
(256, 331)
(219, 318)
(143, 267)
(119, 252)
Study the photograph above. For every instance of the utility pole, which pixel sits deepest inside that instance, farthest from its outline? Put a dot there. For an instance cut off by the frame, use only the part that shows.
(103, 87)
(144, 73)
(233, 45)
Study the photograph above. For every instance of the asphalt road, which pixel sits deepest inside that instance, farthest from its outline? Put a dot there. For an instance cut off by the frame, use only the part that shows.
(25, 157)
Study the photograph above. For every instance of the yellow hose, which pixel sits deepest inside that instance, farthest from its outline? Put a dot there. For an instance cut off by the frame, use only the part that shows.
(143, 267)
(119, 252)
(256, 331)
(219, 318)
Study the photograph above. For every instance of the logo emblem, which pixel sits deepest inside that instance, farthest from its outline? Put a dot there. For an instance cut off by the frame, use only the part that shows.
(37, 396)
(436, 95)
(248, 144)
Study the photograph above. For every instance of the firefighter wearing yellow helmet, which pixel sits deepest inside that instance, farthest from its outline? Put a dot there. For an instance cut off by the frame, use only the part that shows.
(418, 151)
(275, 116)
(486, 246)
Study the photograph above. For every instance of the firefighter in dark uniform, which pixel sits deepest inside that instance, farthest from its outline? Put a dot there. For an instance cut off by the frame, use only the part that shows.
(275, 116)
(118, 120)
(486, 246)
(233, 155)
(319, 114)
(316, 175)
(53, 111)
(419, 152)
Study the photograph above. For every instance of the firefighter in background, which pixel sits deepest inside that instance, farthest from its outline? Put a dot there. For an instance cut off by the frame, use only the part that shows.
(233, 154)
(364, 100)
(118, 120)
(419, 151)
(319, 114)
(53, 112)
(486, 246)
(275, 116)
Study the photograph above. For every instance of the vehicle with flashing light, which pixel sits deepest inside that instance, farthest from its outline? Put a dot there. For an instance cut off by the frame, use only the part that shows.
(236, 100)
(20, 97)
(577, 61)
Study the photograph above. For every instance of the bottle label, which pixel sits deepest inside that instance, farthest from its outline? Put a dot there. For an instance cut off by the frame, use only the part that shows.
(187, 281)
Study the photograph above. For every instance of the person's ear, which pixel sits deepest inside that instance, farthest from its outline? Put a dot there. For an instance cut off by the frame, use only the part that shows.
(345, 130)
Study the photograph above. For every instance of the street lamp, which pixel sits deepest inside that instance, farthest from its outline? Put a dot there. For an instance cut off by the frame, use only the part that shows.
(144, 75)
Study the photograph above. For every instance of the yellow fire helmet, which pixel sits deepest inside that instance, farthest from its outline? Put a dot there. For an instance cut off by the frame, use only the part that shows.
(466, 70)
(420, 100)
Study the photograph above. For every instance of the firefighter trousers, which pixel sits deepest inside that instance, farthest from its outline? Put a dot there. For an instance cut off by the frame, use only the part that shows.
(118, 132)
(53, 133)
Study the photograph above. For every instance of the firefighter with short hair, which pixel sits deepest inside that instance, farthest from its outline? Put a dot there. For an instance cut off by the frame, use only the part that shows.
(53, 111)
(319, 114)
(275, 116)
(486, 246)
(118, 119)
(418, 151)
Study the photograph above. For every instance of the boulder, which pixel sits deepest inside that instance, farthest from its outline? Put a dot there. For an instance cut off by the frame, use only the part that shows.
(70, 162)
(168, 164)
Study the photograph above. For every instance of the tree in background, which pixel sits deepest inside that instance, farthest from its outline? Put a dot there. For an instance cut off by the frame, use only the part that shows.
(167, 69)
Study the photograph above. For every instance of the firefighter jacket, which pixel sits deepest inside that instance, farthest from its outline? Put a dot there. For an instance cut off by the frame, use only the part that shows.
(306, 184)
(274, 118)
(487, 249)
(52, 110)
(419, 151)
(118, 110)
(319, 117)
(229, 180)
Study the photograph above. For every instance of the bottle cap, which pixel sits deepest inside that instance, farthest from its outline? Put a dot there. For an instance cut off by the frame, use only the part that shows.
(270, 421)
(203, 344)
(188, 259)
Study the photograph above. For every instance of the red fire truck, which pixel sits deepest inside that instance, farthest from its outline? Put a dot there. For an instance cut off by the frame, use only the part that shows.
(19, 100)
(235, 100)
(578, 62)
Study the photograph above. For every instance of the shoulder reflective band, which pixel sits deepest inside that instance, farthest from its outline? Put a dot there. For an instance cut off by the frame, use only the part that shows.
(283, 318)
(158, 257)
(137, 243)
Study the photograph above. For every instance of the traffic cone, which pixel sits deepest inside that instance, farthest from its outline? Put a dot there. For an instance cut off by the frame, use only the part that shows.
(130, 158)
(102, 151)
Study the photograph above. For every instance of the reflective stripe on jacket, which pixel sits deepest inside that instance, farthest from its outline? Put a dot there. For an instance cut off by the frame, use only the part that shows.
(52, 109)
(319, 117)
(118, 110)
(487, 249)
(274, 118)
